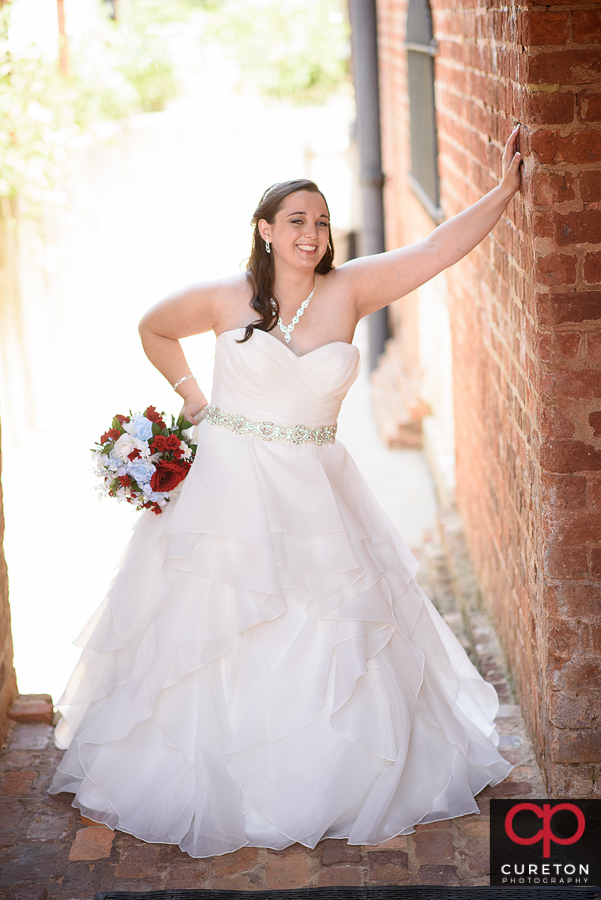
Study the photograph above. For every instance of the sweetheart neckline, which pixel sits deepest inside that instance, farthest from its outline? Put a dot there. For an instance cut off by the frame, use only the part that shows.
(287, 349)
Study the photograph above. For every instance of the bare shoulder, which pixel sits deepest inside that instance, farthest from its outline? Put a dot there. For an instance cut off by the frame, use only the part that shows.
(232, 303)
(343, 280)
(216, 291)
(198, 307)
(337, 307)
(336, 283)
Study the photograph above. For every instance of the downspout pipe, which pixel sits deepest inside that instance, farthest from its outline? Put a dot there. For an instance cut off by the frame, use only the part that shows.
(364, 42)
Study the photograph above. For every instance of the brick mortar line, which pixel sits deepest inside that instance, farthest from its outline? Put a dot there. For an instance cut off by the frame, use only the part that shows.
(569, 46)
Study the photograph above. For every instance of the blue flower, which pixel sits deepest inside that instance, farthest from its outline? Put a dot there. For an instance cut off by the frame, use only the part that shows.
(142, 429)
(149, 494)
(159, 497)
(141, 471)
(113, 463)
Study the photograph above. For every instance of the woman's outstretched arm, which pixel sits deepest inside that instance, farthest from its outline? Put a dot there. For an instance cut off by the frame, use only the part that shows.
(376, 281)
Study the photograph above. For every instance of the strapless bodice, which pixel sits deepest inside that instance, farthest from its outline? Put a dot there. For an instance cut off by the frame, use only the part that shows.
(263, 379)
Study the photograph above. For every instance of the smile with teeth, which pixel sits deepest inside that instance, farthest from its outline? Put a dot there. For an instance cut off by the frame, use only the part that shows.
(308, 248)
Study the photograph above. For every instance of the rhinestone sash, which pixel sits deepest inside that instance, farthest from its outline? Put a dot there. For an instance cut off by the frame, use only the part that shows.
(269, 431)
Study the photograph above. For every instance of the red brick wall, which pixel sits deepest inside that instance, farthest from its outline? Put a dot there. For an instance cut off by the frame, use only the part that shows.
(565, 190)
(8, 681)
(525, 310)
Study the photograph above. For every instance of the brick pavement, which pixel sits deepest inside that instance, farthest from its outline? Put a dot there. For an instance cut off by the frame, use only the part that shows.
(50, 853)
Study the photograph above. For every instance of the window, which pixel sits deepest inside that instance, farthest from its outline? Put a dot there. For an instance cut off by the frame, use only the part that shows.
(421, 50)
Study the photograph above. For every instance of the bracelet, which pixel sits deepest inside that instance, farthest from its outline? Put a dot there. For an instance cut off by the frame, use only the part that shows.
(185, 378)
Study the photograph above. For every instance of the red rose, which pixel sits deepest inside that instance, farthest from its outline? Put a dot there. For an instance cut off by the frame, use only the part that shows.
(177, 454)
(122, 419)
(172, 442)
(154, 416)
(111, 435)
(158, 444)
(168, 475)
(125, 480)
(134, 455)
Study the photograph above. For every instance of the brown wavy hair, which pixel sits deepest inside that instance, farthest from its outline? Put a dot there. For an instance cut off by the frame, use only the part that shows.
(261, 268)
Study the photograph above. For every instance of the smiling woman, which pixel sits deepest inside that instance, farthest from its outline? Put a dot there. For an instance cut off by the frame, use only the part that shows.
(278, 220)
(265, 669)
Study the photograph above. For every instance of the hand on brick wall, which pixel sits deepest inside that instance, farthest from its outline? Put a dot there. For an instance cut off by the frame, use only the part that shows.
(511, 162)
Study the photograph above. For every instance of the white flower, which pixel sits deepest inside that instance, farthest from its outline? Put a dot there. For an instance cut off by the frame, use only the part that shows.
(143, 447)
(123, 447)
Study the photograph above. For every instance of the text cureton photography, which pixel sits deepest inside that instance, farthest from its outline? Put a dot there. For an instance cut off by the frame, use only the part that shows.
(546, 842)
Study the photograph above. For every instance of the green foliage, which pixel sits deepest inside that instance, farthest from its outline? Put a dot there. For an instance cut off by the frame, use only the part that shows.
(294, 50)
(36, 113)
(180, 425)
(142, 35)
(116, 68)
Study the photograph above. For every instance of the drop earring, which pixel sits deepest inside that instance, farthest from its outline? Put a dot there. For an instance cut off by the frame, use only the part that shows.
(267, 247)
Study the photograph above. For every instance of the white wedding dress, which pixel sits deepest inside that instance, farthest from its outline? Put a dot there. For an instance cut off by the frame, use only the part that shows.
(265, 669)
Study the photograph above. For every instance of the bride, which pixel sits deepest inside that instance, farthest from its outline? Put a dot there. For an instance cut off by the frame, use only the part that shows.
(265, 669)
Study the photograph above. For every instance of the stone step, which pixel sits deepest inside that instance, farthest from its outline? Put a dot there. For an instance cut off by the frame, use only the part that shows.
(32, 708)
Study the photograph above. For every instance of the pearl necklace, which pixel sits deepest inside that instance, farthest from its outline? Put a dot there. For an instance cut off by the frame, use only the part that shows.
(288, 329)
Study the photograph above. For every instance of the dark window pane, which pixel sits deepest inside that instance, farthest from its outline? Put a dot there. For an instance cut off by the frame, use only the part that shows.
(419, 22)
(424, 144)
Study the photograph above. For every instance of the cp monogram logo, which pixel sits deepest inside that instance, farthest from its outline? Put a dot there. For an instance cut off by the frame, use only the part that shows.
(546, 833)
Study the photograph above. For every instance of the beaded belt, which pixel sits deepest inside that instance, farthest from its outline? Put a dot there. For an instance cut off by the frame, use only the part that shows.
(269, 431)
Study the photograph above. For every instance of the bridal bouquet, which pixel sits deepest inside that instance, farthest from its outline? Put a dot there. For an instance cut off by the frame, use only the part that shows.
(142, 461)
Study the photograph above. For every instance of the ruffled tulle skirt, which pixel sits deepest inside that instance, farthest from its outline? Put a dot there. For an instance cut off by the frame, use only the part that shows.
(266, 670)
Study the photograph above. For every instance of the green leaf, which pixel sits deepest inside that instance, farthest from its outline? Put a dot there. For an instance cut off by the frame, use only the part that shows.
(117, 424)
(156, 429)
